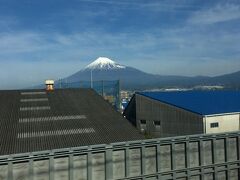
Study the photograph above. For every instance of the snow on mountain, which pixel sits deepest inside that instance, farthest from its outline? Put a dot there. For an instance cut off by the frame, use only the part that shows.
(106, 69)
(104, 63)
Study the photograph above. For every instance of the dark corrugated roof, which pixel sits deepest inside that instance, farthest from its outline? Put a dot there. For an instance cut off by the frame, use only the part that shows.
(200, 102)
(59, 119)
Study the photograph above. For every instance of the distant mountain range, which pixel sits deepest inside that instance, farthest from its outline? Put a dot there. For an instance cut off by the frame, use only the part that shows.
(131, 78)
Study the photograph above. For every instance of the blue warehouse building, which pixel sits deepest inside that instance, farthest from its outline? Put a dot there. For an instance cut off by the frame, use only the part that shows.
(163, 114)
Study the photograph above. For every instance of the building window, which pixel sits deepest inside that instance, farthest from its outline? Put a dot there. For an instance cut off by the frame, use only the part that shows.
(156, 123)
(143, 121)
(214, 125)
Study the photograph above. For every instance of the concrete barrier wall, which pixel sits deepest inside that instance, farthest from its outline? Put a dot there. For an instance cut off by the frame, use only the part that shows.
(190, 157)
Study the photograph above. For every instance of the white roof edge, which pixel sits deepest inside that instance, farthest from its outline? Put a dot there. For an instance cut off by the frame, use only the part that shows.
(221, 114)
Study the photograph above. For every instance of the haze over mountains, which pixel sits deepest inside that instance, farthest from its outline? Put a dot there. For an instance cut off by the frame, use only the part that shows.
(131, 78)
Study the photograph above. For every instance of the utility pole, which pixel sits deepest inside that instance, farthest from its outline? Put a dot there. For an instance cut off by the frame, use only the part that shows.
(91, 80)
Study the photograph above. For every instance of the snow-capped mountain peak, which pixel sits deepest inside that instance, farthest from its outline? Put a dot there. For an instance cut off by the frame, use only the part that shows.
(104, 63)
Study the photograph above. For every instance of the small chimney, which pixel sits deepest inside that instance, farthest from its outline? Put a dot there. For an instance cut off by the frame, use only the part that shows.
(49, 85)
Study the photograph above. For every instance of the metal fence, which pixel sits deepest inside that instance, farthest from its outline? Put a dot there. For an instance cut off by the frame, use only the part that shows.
(110, 90)
(214, 156)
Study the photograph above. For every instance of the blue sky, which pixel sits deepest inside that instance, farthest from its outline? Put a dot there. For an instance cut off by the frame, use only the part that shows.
(55, 38)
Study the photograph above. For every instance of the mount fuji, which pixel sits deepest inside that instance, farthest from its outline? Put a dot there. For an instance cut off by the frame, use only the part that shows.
(106, 69)
(103, 63)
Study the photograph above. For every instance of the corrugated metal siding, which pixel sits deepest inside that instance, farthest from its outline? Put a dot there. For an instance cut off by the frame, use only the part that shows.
(173, 121)
(191, 157)
(19, 132)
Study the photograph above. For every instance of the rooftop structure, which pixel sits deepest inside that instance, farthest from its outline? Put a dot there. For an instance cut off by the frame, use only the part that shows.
(163, 114)
(49, 85)
(35, 120)
(200, 102)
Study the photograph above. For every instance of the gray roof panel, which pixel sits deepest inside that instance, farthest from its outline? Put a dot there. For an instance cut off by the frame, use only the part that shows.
(62, 125)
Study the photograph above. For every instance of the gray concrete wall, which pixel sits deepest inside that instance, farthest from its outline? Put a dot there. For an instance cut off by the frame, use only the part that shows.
(208, 156)
(173, 121)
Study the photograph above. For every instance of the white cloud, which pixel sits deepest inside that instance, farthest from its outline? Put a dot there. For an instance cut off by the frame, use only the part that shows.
(24, 56)
(18, 42)
(153, 5)
(219, 13)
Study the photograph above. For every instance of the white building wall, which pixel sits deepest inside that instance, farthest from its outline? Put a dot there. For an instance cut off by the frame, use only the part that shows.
(226, 123)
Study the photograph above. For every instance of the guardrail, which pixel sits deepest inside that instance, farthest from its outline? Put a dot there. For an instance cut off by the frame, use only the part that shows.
(214, 156)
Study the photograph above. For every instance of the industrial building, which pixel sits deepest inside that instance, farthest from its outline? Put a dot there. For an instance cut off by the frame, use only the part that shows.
(72, 134)
(36, 120)
(164, 114)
